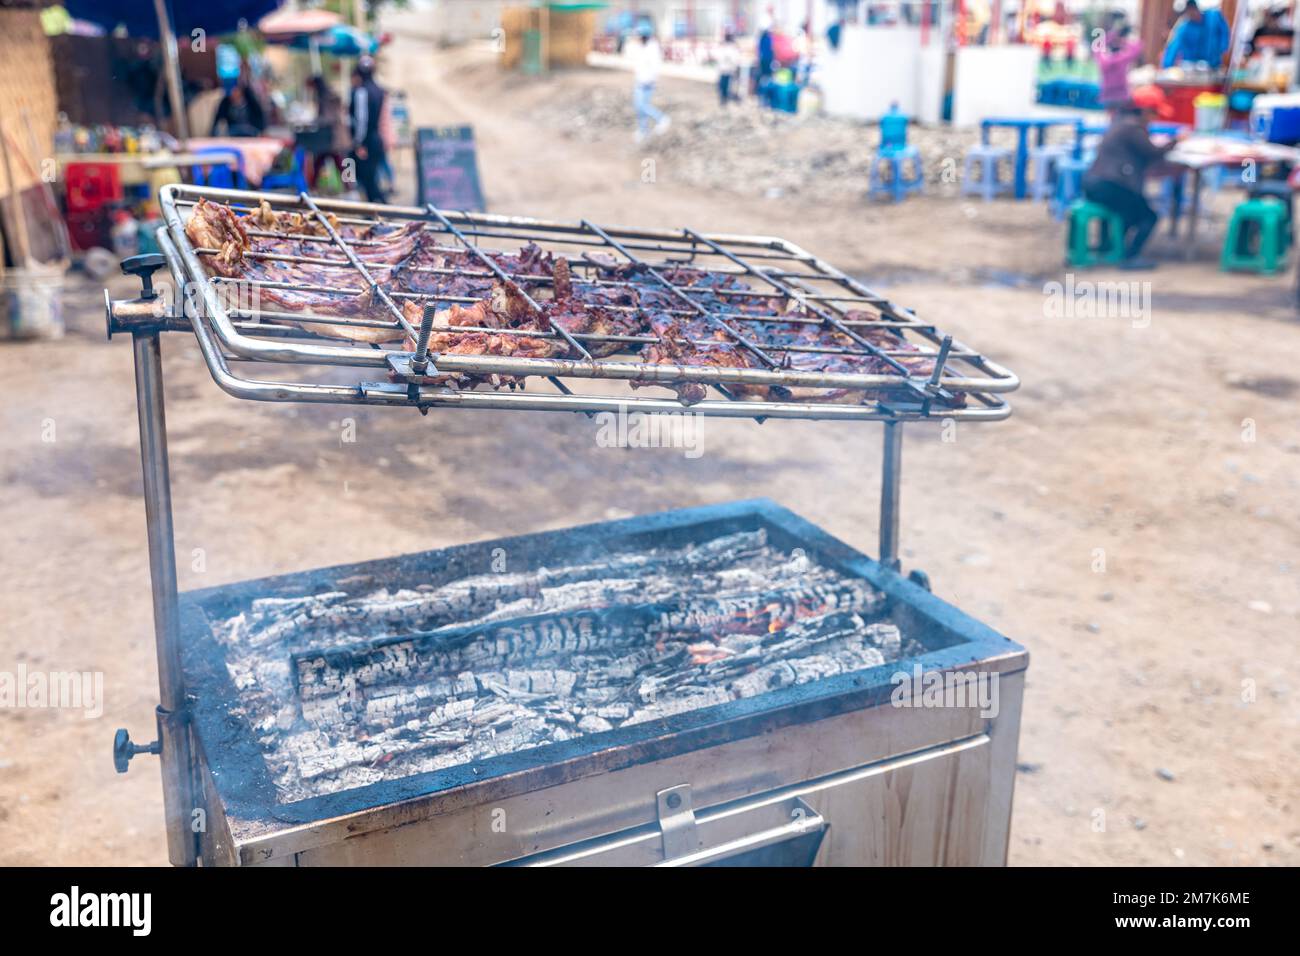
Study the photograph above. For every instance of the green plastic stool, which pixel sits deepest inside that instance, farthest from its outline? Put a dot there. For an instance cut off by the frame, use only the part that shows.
(1079, 250)
(1255, 219)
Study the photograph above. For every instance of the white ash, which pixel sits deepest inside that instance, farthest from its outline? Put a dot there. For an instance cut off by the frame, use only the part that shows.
(348, 689)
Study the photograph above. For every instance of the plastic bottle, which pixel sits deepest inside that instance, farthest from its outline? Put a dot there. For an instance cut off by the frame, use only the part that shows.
(65, 140)
(124, 236)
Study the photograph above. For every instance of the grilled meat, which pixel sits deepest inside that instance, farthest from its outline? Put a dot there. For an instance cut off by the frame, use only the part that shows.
(216, 227)
(676, 346)
(480, 314)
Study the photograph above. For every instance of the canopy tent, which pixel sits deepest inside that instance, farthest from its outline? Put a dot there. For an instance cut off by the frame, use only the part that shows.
(166, 18)
(140, 18)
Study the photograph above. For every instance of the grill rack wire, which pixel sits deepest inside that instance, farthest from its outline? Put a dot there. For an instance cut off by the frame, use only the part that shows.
(307, 365)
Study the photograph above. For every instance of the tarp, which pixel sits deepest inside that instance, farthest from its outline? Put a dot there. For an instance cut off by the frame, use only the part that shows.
(213, 16)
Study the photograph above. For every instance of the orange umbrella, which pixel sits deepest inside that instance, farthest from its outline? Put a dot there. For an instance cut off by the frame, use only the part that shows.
(284, 24)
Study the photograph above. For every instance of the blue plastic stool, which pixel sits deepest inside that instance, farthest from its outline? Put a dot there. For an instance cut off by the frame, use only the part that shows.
(899, 185)
(220, 176)
(1069, 184)
(293, 178)
(987, 184)
(1042, 169)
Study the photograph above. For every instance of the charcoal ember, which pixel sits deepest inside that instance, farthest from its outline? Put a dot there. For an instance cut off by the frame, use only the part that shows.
(767, 678)
(593, 724)
(668, 707)
(465, 685)
(887, 637)
(771, 610)
(345, 689)
(520, 734)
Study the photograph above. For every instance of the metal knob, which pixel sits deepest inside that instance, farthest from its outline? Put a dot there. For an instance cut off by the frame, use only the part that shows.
(124, 749)
(144, 266)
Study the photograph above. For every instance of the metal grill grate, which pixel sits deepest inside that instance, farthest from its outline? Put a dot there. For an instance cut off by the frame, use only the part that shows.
(946, 379)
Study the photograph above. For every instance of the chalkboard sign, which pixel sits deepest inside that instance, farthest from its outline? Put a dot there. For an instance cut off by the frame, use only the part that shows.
(446, 168)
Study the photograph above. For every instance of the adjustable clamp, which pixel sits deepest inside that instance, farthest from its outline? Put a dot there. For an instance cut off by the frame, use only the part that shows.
(148, 312)
(124, 749)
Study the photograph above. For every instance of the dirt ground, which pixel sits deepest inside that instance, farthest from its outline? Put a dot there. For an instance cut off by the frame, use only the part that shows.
(1160, 720)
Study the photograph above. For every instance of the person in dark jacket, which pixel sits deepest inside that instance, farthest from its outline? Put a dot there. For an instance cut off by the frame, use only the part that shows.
(240, 113)
(1116, 176)
(365, 107)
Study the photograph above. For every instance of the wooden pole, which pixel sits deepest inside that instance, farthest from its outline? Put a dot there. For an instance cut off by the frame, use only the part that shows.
(172, 69)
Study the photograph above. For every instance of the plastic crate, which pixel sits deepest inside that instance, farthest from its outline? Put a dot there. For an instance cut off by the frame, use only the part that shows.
(90, 186)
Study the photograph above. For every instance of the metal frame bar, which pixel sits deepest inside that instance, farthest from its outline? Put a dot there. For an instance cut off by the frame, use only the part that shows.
(178, 766)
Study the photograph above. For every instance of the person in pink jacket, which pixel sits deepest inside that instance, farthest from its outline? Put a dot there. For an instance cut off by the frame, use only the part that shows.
(1120, 55)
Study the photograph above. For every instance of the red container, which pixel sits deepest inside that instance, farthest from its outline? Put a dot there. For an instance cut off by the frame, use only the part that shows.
(88, 229)
(1181, 97)
(91, 185)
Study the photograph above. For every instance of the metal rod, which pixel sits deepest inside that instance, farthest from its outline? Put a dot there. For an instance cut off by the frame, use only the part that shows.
(177, 763)
(372, 285)
(678, 293)
(501, 274)
(891, 474)
(420, 363)
(945, 349)
(799, 296)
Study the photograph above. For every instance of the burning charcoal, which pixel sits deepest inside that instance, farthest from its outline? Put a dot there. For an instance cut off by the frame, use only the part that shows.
(592, 724)
(679, 705)
(465, 684)
(770, 677)
(887, 637)
(648, 689)
(345, 690)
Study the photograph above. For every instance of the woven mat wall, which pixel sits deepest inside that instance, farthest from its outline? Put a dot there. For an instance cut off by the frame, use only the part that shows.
(28, 107)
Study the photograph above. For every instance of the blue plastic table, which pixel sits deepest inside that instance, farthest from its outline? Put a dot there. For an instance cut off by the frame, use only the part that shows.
(1086, 128)
(1022, 125)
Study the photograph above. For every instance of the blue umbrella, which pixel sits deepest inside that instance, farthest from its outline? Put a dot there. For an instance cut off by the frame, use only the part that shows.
(337, 41)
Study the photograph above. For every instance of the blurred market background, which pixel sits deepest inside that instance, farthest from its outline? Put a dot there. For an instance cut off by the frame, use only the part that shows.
(861, 130)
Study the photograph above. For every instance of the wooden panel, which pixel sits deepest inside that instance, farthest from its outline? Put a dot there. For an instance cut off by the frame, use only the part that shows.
(936, 811)
(27, 101)
(930, 811)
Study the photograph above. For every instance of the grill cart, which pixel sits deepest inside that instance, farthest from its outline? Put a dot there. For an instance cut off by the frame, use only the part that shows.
(719, 685)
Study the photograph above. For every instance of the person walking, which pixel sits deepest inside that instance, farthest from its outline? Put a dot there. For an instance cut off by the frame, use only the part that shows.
(365, 109)
(728, 57)
(647, 60)
(1117, 175)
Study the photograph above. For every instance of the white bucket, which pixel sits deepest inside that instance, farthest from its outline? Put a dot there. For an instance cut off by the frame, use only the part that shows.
(31, 304)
